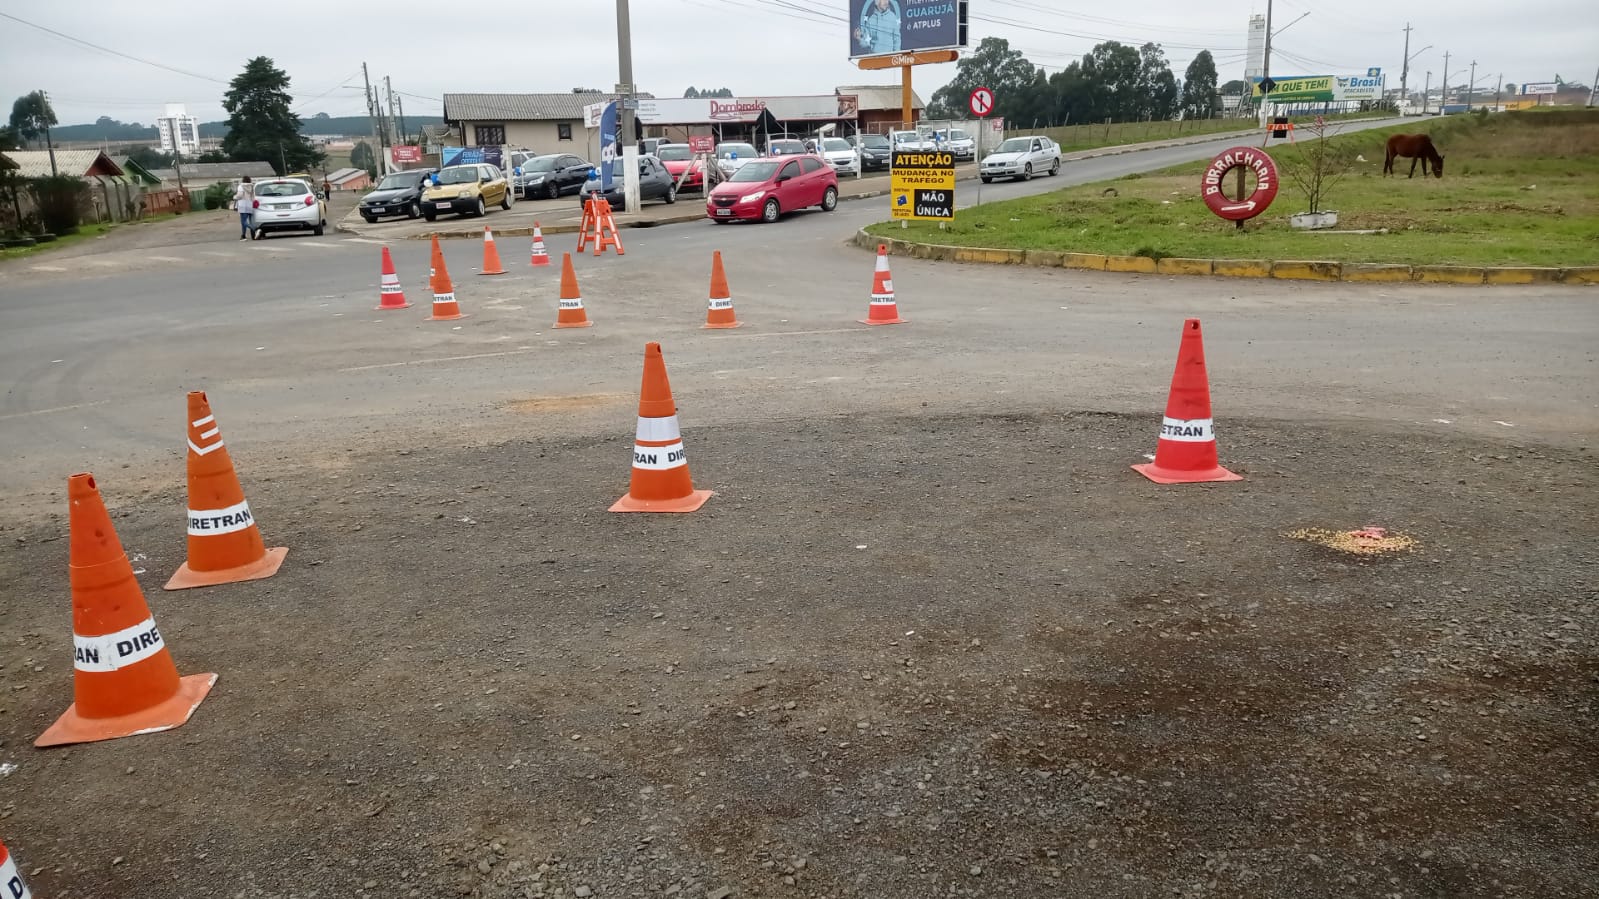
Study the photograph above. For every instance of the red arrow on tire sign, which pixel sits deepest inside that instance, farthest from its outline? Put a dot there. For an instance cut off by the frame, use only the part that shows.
(982, 102)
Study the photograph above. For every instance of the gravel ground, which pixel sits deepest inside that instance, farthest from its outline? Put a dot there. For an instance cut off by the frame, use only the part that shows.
(892, 657)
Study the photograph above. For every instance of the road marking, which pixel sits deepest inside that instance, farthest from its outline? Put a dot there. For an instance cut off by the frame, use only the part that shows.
(312, 243)
(363, 240)
(277, 250)
(218, 253)
(790, 333)
(55, 409)
(47, 268)
(434, 361)
(166, 259)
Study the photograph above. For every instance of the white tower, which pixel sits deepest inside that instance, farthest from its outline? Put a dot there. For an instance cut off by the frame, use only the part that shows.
(1255, 61)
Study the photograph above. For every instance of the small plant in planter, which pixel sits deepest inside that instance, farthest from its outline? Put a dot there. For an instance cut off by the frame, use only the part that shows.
(1315, 170)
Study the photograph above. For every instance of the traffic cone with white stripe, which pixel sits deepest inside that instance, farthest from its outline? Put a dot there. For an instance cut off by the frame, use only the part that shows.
(11, 885)
(883, 310)
(491, 255)
(571, 313)
(445, 308)
(124, 681)
(224, 543)
(1186, 452)
(390, 296)
(661, 481)
(541, 255)
(720, 312)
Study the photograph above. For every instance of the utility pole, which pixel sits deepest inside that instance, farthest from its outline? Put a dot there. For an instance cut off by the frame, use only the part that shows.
(1471, 89)
(624, 122)
(1593, 91)
(1443, 98)
(1497, 85)
(1404, 71)
(388, 90)
(1426, 93)
(372, 111)
(1265, 69)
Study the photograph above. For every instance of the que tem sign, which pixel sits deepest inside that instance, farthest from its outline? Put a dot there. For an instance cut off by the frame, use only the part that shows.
(1266, 184)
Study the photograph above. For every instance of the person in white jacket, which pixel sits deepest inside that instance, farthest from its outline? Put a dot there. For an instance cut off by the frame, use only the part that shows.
(244, 202)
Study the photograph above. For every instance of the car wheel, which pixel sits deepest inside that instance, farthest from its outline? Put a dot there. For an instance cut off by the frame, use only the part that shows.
(1027, 172)
(987, 180)
(830, 199)
(370, 219)
(771, 211)
(482, 210)
(505, 201)
(319, 229)
(671, 194)
(414, 210)
(1054, 168)
(431, 216)
(552, 191)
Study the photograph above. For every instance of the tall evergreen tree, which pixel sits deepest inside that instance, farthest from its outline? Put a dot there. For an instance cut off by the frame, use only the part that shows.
(1200, 97)
(31, 117)
(993, 65)
(261, 126)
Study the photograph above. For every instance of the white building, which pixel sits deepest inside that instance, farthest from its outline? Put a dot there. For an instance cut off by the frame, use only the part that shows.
(1255, 61)
(180, 132)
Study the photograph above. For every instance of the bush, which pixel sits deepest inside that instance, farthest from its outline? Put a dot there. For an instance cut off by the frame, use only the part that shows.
(218, 195)
(59, 200)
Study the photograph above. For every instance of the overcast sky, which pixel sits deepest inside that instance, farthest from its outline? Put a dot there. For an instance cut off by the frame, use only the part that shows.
(755, 47)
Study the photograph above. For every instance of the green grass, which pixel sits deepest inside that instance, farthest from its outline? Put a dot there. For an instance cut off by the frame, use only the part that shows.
(1518, 189)
(1091, 137)
(85, 232)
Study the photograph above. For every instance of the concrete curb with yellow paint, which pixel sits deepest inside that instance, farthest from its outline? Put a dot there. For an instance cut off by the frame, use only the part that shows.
(1286, 269)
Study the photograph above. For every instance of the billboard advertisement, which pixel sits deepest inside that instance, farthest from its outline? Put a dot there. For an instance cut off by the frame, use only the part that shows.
(1539, 88)
(1356, 87)
(1325, 88)
(472, 156)
(884, 27)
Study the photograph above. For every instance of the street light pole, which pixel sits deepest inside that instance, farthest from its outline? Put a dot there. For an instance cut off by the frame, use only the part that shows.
(1404, 71)
(1426, 93)
(1472, 90)
(624, 121)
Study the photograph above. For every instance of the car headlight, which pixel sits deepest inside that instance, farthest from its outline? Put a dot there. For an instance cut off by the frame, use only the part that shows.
(464, 195)
(751, 198)
(536, 179)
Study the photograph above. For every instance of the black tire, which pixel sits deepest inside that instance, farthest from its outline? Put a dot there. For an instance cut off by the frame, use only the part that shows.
(552, 191)
(830, 199)
(371, 219)
(505, 201)
(771, 212)
(431, 216)
(481, 209)
(671, 194)
(1027, 172)
(414, 210)
(319, 229)
(987, 180)
(1054, 168)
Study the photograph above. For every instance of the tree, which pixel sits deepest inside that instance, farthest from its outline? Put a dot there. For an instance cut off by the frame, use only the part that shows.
(1200, 98)
(362, 157)
(1157, 86)
(1510, 88)
(261, 126)
(10, 181)
(148, 158)
(993, 65)
(1235, 87)
(692, 93)
(31, 117)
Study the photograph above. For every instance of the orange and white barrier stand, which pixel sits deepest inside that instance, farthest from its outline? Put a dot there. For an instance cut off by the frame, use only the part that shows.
(571, 313)
(124, 680)
(491, 255)
(661, 481)
(224, 542)
(11, 885)
(390, 295)
(1186, 453)
(445, 308)
(541, 255)
(720, 312)
(590, 227)
(884, 310)
(606, 234)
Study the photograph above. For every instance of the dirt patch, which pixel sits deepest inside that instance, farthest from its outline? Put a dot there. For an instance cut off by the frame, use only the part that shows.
(864, 670)
(540, 404)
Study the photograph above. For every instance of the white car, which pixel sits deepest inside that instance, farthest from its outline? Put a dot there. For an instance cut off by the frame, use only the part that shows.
(913, 141)
(730, 157)
(1021, 158)
(961, 144)
(286, 204)
(840, 154)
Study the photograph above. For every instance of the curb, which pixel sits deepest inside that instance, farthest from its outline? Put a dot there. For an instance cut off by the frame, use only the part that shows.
(1283, 270)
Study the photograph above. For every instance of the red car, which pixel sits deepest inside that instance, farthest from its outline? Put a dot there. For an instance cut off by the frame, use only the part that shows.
(678, 160)
(764, 189)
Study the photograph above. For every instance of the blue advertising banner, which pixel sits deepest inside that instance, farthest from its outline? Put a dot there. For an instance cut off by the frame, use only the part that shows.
(472, 156)
(879, 27)
(609, 148)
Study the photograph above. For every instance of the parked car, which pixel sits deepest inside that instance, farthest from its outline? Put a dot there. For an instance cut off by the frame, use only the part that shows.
(467, 190)
(874, 150)
(785, 146)
(1021, 158)
(550, 176)
(839, 154)
(960, 143)
(399, 193)
(910, 140)
(679, 159)
(649, 145)
(654, 183)
(732, 155)
(287, 204)
(767, 188)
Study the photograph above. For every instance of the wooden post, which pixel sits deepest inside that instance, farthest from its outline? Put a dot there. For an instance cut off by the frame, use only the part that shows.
(906, 98)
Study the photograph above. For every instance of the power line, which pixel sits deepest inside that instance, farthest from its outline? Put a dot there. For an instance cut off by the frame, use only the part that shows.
(94, 46)
(1101, 20)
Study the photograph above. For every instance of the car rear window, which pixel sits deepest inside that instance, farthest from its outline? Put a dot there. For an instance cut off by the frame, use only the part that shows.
(281, 189)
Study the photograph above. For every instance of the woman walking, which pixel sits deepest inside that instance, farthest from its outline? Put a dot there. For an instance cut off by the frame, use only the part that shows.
(244, 202)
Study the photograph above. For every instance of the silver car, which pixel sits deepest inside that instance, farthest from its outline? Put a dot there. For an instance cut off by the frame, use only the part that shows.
(1021, 158)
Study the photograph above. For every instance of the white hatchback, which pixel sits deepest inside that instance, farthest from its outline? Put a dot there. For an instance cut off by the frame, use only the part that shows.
(840, 154)
(286, 204)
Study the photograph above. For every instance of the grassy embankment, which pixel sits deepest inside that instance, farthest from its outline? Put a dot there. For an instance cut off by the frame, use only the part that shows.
(1518, 189)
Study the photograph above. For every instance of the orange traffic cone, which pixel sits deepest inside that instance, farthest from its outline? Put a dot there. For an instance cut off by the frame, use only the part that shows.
(124, 681)
(1186, 452)
(491, 255)
(11, 885)
(720, 313)
(541, 256)
(390, 296)
(224, 543)
(883, 310)
(661, 482)
(445, 308)
(571, 314)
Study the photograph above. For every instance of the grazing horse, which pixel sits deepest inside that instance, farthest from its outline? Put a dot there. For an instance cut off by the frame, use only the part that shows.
(1419, 148)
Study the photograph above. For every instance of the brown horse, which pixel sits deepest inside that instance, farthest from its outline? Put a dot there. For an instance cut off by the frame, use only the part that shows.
(1419, 148)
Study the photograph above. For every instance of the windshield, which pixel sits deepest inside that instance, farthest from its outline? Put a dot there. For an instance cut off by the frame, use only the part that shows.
(875, 141)
(541, 164)
(461, 174)
(400, 181)
(787, 146)
(281, 189)
(906, 137)
(673, 153)
(957, 134)
(1016, 145)
(744, 151)
(836, 143)
(755, 171)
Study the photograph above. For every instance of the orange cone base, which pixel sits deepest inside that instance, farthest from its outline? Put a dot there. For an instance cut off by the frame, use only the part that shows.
(683, 504)
(582, 324)
(71, 728)
(264, 567)
(896, 320)
(723, 325)
(387, 308)
(1172, 476)
(541, 262)
(496, 272)
(445, 318)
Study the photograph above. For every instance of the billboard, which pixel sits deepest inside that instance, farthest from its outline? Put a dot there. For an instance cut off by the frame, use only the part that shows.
(1355, 87)
(472, 156)
(1325, 88)
(1539, 88)
(884, 27)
